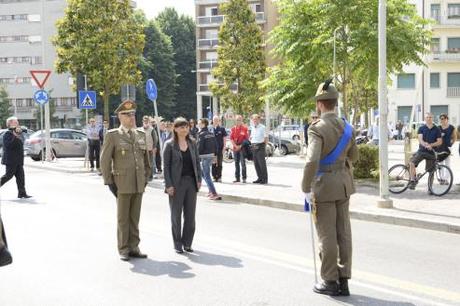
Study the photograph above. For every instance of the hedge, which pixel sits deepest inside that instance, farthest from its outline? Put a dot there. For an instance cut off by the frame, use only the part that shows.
(367, 165)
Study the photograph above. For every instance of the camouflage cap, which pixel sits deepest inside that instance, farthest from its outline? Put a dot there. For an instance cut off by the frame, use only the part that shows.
(326, 91)
(127, 106)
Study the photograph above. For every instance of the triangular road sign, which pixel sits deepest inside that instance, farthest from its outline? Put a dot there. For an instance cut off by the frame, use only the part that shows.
(40, 77)
(87, 101)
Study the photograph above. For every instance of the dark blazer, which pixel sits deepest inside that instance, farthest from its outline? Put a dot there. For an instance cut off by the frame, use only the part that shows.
(13, 149)
(173, 163)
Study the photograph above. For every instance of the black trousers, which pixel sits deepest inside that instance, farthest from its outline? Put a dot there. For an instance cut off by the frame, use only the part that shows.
(94, 152)
(3, 242)
(18, 172)
(158, 159)
(184, 200)
(217, 168)
(258, 152)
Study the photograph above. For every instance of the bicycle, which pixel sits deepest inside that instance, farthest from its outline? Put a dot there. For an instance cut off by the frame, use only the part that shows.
(440, 177)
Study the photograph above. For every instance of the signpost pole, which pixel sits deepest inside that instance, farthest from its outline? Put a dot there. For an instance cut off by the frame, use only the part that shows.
(42, 134)
(85, 163)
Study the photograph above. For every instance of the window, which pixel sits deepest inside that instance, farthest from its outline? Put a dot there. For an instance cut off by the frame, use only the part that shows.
(35, 39)
(406, 81)
(453, 44)
(435, 45)
(453, 79)
(78, 136)
(17, 17)
(437, 110)
(404, 113)
(434, 80)
(436, 12)
(453, 11)
(33, 18)
(15, 38)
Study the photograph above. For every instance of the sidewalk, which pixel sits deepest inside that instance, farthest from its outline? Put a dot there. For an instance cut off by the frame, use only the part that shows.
(413, 208)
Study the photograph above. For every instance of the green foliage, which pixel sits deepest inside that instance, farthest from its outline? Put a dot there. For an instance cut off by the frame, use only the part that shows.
(367, 165)
(102, 39)
(5, 108)
(181, 31)
(158, 64)
(241, 59)
(304, 45)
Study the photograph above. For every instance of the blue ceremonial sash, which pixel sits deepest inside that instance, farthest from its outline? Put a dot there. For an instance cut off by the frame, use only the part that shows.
(332, 157)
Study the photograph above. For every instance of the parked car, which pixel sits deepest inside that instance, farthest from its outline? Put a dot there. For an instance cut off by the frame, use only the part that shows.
(2, 133)
(287, 145)
(64, 143)
(291, 132)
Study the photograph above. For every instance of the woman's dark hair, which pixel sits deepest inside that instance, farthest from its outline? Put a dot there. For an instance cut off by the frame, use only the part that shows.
(205, 122)
(180, 122)
(192, 121)
(443, 115)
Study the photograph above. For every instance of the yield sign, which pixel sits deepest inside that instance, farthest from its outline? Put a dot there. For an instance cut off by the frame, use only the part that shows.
(40, 77)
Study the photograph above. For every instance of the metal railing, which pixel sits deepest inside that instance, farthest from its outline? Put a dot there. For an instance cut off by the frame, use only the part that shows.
(453, 92)
(209, 20)
(207, 43)
(207, 64)
(445, 19)
(444, 56)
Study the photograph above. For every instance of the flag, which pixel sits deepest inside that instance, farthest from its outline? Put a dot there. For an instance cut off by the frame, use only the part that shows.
(306, 206)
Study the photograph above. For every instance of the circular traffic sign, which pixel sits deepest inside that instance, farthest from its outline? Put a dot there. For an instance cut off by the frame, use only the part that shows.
(41, 96)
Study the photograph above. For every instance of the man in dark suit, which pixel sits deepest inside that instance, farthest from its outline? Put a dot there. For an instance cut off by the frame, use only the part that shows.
(13, 156)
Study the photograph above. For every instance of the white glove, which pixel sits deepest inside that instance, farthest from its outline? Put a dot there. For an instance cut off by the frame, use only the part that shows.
(308, 198)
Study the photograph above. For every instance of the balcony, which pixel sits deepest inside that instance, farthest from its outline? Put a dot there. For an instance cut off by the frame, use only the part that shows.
(450, 55)
(64, 108)
(209, 21)
(443, 20)
(205, 87)
(453, 92)
(206, 66)
(207, 43)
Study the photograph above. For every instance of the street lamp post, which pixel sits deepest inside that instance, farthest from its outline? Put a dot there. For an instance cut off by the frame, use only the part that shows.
(334, 67)
(384, 200)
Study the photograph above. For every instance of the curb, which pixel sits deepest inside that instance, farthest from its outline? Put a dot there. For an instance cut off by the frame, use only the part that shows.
(354, 214)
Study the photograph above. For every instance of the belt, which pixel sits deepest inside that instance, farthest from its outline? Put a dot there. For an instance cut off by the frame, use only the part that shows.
(334, 167)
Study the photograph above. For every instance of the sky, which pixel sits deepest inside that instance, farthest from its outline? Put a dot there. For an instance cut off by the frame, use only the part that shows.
(151, 8)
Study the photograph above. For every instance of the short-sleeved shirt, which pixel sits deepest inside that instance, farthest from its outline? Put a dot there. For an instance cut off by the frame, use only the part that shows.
(446, 135)
(429, 135)
(93, 132)
(220, 133)
(258, 133)
(239, 134)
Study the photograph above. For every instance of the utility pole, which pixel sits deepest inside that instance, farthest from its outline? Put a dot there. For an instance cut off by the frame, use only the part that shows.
(48, 149)
(384, 200)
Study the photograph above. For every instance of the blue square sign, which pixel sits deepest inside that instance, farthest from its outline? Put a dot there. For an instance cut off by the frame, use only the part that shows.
(87, 99)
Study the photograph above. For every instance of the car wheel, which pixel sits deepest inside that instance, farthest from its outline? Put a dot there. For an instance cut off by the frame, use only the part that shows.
(283, 150)
(35, 158)
(296, 137)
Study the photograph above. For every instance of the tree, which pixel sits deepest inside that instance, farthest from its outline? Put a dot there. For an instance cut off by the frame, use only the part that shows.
(5, 107)
(158, 64)
(241, 59)
(304, 43)
(181, 30)
(100, 38)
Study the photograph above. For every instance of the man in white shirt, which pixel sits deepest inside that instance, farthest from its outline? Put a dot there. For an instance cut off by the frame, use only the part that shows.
(259, 139)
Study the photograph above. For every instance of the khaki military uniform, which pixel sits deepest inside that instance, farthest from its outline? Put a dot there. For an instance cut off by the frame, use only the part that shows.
(331, 187)
(125, 163)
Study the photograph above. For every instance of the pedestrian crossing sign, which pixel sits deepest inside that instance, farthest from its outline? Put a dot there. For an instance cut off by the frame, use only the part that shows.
(87, 99)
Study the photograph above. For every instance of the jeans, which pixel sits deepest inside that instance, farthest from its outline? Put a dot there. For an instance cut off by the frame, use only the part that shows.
(206, 163)
(239, 158)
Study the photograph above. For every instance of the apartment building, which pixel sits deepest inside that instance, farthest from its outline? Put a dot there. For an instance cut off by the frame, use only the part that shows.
(208, 20)
(436, 87)
(26, 27)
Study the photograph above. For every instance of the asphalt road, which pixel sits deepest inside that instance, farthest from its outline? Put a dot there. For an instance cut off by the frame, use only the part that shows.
(64, 246)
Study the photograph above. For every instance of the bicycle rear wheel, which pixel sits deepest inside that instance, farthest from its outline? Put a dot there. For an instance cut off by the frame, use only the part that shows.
(440, 180)
(399, 178)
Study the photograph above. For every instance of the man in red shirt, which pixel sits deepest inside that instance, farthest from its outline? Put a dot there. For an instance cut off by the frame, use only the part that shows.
(239, 134)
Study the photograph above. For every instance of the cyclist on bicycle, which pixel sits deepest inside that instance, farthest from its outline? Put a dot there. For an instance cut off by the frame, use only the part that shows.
(429, 137)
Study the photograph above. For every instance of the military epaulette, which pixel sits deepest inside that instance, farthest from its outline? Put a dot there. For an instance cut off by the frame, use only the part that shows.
(141, 131)
(112, 131)
(315, 122)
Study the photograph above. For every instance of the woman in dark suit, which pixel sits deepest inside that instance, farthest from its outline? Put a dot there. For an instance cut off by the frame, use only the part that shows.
(182, 173)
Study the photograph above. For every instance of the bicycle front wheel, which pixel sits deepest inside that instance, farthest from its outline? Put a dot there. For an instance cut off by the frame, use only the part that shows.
(440, 180)
(399, 178)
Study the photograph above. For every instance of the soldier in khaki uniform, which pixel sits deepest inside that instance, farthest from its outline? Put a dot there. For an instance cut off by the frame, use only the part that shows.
(328, 184)
(126, 168)
(5, 256)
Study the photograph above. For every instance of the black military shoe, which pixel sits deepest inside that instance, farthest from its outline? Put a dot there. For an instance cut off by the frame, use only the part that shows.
(327, 288)
(24, 196)
(343, 287)
(137, 255)
(188, 249)
(124, 257)
(5, 257)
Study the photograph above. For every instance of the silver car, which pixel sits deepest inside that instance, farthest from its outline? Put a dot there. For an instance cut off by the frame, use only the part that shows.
(64, 143)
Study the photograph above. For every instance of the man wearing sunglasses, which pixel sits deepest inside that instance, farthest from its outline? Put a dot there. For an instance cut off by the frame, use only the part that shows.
(125, 166)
